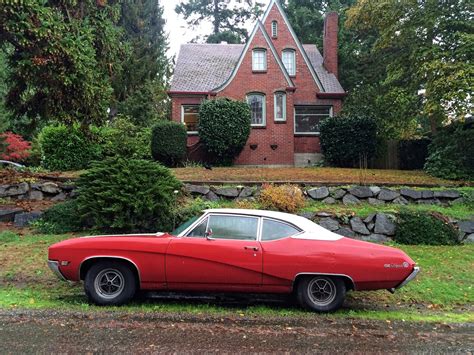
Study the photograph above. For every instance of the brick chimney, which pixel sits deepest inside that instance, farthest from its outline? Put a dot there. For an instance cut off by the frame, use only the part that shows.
(330, 42)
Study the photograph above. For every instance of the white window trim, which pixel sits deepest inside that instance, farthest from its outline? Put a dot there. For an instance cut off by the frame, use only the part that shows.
(264, 51)
(283, 119)
(274, 29)
(264, 109)
(182, 117)
(292, 51)
(331, 108)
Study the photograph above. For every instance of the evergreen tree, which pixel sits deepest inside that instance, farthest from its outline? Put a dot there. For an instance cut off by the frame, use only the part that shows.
(63, 55)
(221, 14)
(140, 90)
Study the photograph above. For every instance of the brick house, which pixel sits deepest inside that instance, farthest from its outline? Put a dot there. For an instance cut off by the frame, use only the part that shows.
(289, 86)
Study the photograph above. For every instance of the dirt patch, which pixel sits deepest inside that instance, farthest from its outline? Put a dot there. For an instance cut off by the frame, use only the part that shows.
(117, 332)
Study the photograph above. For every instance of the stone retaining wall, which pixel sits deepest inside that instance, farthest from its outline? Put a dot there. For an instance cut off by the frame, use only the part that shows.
(353, 195)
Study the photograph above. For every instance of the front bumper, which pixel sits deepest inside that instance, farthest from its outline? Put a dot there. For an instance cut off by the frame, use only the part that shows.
(54, 266)
(410, 277)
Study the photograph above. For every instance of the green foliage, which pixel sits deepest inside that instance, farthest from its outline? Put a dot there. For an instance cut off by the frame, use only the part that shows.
(224, 36)
(190, 209)
(168, 142)
(63, 56)
(451, 153)
(68, 148)
(417, 45)
(124, 139)
(413, 153)
(346, 140)
(63, 217)
(221, 15)
(140, 89)
(224, 127)
(424, 228)
(128, 195)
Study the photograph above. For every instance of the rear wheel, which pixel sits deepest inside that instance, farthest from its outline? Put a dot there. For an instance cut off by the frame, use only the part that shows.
(110, 283)
(321, 293)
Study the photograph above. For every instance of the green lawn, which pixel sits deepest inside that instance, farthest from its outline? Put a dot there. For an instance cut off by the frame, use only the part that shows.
(443, 292)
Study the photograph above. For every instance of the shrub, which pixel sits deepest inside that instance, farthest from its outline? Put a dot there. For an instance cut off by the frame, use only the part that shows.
(16, 148)
(413, 153)
(345, 140)
(68, 148)
(61, 218)
(124, 139)
(168, 142)
(451, 153)
(285, 198)
(128, 195)
(424, 228)
(224, 127)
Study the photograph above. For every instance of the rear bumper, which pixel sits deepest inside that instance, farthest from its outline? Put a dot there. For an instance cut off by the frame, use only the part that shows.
(54, 266)
(410, 277)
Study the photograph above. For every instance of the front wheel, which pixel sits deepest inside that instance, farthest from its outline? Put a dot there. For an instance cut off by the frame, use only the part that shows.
(110, 283)
(321, 293)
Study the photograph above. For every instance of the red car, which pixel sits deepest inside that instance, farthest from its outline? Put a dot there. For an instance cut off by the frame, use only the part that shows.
(231, 250)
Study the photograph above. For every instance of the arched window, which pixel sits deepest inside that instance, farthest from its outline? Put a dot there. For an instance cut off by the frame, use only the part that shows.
(274, 29)
(256, 102)
(279, 105)
(259, 59)
(289, 61)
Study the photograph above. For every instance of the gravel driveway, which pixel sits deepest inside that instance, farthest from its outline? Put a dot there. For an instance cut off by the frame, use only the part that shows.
(27, 331)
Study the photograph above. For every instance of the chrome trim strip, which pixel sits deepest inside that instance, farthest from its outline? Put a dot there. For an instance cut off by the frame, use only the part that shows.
(54, 266)
(410, 277)
(110, 257)
(326, 274)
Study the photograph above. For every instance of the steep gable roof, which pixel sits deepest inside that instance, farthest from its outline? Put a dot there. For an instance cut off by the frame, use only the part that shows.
(208, 68)
(202, 67)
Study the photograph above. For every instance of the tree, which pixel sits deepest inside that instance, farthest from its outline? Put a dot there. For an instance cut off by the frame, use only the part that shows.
(63, 55)
(427, 47)
(140, 89)
(222, 16)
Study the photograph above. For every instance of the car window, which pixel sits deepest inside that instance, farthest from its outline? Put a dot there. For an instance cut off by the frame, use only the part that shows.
(233, 227)
(184, 226)
(273, 230)
(199, 231)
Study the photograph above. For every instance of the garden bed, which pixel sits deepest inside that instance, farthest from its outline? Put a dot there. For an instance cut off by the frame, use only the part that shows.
(312, 176)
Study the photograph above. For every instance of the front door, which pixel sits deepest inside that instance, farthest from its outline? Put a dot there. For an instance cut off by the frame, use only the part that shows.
(222, 251)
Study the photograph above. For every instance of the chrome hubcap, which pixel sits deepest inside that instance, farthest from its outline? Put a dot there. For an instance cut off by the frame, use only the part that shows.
(109, 283)
(321, 291)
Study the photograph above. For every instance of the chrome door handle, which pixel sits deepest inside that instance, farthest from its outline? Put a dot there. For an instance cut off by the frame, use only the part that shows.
(251, 248)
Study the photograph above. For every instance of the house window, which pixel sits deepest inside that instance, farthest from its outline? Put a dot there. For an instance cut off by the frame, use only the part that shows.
(307, 118)
(190, 117)
(259, 60)
(280, 106)
(257, 109)
(274, 29)
(288, 59)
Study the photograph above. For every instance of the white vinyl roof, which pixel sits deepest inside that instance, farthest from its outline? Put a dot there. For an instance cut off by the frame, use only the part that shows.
(310, 229)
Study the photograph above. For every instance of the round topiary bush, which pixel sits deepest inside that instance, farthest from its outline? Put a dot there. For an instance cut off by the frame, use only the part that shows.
(128, 195)
(424, 228)
(168, 142)
(345, 140)
(68, 147)
(224, 127)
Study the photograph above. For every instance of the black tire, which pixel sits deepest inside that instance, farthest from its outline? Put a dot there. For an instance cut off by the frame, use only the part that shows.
(321, 293)
(110, 283)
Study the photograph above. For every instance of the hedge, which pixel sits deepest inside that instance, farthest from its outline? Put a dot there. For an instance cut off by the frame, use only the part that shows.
(168, 142)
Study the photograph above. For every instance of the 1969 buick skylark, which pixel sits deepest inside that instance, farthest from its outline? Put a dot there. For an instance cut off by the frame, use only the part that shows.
(232, 250)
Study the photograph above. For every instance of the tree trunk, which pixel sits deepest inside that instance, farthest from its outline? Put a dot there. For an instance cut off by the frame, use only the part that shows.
(216, 17)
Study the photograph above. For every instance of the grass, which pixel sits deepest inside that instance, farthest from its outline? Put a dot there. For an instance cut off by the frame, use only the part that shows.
(443, 292)
(312, 175)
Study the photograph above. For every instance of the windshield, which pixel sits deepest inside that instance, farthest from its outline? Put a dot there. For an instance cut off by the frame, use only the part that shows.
(185, 225)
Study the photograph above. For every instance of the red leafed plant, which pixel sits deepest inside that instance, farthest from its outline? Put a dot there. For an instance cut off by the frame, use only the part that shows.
(16, 148)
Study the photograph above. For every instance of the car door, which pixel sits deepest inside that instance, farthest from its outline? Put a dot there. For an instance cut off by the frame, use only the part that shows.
(221, 251)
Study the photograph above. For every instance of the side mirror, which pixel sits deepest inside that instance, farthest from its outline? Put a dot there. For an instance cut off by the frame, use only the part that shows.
(208, 234)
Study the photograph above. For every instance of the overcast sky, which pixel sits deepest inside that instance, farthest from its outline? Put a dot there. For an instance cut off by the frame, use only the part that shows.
(178, 30)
